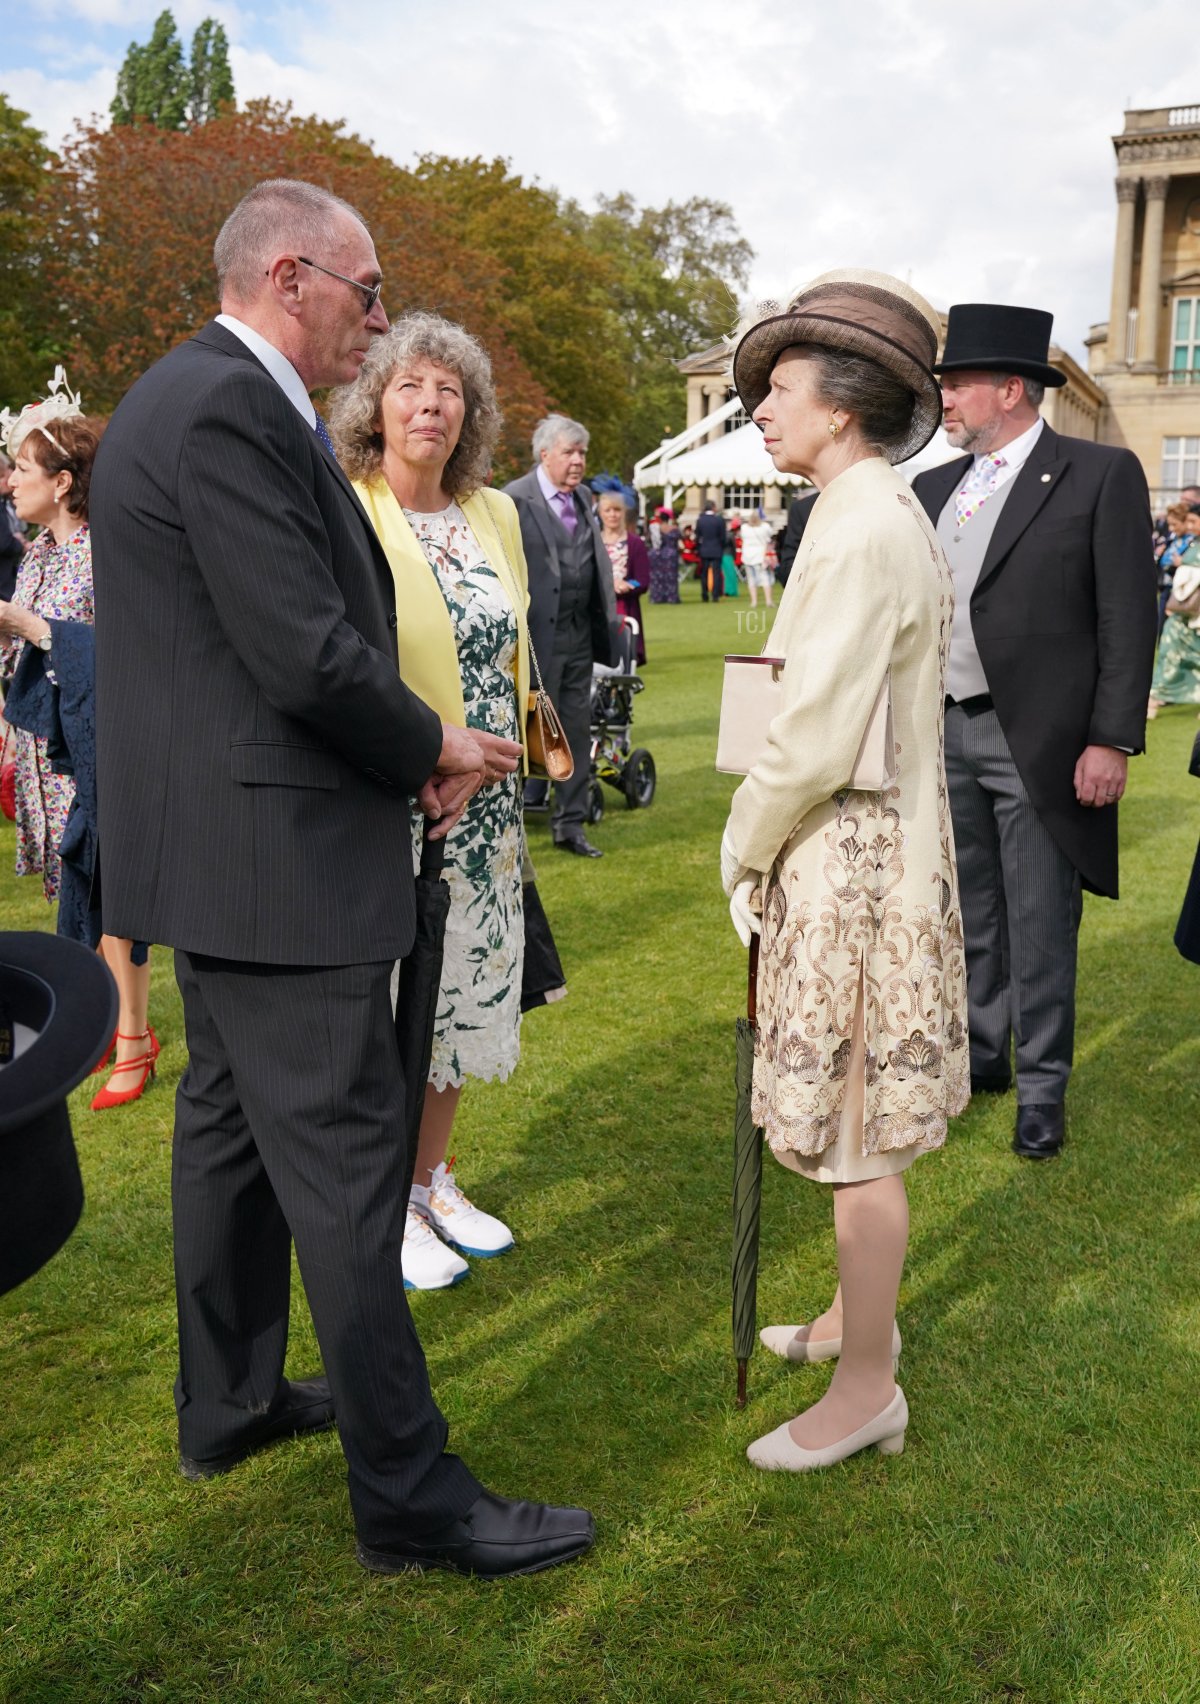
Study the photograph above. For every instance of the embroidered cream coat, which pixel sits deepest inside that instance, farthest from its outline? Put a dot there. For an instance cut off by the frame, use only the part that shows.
(860, 888)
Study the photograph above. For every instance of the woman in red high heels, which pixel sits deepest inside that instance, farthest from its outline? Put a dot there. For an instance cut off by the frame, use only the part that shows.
(46, 643)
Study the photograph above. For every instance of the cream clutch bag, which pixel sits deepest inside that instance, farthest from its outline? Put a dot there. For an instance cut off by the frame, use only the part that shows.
(751, 698)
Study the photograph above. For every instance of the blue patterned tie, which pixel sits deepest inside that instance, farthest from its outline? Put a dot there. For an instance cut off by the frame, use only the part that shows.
(322, 432)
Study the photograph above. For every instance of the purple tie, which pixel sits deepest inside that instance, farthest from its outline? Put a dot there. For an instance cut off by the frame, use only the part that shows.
(566, 510)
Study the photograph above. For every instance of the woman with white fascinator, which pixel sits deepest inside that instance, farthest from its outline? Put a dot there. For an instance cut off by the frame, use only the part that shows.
(862, 1047)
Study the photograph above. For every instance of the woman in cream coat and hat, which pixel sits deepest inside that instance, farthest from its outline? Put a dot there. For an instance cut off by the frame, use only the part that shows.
(416, 432)
(862, 1051)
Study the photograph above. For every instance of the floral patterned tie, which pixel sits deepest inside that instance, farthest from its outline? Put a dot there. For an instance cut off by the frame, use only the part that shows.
(978, 486)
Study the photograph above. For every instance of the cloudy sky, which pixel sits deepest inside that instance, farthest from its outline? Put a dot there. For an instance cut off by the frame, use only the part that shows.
(966, 149)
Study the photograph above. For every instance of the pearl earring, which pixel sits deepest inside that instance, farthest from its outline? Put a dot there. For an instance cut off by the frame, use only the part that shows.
(834, 428)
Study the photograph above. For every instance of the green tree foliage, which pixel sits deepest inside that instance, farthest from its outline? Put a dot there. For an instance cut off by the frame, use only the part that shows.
(211, 78)
(600, 306)
(676, 272)
(30, 321)
(153, 83)
(156, 85)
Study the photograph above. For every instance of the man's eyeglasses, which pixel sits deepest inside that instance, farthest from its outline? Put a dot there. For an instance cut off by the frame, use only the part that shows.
(368, 292)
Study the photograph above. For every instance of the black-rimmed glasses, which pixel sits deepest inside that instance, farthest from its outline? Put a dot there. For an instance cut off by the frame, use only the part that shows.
(369, 292)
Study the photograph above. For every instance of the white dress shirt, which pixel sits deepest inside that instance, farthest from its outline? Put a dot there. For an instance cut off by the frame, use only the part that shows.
(279, 367)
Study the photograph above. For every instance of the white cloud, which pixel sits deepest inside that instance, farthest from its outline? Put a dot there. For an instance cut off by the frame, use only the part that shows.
(969, 151)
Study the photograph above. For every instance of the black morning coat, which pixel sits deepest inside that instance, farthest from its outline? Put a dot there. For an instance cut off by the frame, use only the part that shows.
(1065, 618)
(256, 746)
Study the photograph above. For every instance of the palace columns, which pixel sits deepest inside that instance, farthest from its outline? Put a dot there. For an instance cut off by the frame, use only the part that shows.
(1150, 286)
(1122, 285)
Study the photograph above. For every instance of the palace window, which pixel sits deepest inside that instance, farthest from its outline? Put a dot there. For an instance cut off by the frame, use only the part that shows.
(1185, 341)
(1180, 463)
(746, 496)
(739, 417)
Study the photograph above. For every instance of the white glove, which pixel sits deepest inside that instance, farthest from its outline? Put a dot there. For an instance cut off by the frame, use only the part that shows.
(729, 860)
(745, 907)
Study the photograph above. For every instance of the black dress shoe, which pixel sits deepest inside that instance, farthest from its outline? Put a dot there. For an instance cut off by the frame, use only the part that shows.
(991, 1083)
(1040, 1130)
(580, 845)
(305, 1405)
(493, 1539)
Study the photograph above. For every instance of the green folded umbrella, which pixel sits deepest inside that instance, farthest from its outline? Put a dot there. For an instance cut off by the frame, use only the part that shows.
(747, 1185)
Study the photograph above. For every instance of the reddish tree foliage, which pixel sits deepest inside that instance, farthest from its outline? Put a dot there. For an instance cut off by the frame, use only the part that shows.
(135, 211)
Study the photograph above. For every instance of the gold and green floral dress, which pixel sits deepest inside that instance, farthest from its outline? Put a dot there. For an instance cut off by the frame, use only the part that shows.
(478, 1027)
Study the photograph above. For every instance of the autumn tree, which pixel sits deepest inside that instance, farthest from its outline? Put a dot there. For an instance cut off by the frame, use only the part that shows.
(157, 86)
(30, 321)
(138, 210)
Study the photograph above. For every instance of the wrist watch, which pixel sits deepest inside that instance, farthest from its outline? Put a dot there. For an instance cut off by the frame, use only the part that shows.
(43, 644)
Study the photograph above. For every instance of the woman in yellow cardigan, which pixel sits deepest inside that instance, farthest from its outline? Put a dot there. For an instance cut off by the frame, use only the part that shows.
(415, 433)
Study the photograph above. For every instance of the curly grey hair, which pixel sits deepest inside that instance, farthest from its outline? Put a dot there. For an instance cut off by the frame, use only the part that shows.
(354, 410)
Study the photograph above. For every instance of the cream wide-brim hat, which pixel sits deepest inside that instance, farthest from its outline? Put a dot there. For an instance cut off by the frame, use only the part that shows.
(863, 313)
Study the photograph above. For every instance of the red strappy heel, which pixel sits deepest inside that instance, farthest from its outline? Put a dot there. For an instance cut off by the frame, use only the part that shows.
(104, 1057)
(143, 1063)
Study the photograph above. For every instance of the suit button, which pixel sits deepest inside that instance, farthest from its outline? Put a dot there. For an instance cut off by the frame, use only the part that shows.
(391, 621)
(958, 538)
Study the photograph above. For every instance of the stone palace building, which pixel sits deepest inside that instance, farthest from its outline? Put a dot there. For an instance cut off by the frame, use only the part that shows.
(1141, 388)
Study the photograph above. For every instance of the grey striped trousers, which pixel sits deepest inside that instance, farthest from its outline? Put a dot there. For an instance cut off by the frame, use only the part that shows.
(1021, 904)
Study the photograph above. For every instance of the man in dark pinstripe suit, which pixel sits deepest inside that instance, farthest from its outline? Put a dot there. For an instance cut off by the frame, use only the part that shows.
(257, 751)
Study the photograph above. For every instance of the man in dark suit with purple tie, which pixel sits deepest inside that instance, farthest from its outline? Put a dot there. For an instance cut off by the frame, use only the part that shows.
(257, 752)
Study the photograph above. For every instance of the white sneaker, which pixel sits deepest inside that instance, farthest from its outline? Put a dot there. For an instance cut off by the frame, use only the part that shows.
(456, 1219)
(426, 1263)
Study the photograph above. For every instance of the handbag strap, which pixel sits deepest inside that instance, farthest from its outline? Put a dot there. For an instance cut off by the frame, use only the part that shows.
(537, 667)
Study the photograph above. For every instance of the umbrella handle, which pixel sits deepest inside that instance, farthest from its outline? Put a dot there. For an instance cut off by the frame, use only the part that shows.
(752, 982)
(433, 855)
(741, 1388)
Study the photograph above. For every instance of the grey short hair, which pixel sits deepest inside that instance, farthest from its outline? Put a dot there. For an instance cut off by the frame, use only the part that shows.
(354, 421)
(553, 430)
(278, 214)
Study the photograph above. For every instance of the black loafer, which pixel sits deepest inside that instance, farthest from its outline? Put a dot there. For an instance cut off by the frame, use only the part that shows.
(304, 1406)
(1040, 1130)
(580, 845)
(990, 1083)
(494, 1539)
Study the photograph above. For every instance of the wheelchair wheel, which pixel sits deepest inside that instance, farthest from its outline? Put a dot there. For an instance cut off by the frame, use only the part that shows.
(639, 779)
(595, 801)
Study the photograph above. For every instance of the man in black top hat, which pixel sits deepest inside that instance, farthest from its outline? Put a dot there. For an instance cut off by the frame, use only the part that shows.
(1050, 661)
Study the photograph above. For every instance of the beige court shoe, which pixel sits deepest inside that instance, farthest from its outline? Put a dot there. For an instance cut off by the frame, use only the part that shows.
(778, 1453)
(782, 1340)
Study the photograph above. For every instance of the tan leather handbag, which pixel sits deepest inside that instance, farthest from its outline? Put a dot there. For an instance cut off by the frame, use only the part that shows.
(751, 698)
(546, 743)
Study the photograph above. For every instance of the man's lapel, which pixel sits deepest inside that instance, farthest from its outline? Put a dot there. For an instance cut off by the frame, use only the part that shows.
(939, 483)
(551, 526)
(1040, 476)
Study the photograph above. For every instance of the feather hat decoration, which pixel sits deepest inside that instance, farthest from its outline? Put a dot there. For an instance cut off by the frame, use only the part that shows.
(59, 403)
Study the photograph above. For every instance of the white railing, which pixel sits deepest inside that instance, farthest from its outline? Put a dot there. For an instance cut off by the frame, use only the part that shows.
(1183, 115)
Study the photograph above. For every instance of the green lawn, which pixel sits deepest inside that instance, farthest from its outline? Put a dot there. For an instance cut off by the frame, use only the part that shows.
(1038, 1538)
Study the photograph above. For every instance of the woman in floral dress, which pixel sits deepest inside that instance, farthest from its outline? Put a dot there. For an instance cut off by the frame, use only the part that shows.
(416, 433)
(54, 583)
(54, 446)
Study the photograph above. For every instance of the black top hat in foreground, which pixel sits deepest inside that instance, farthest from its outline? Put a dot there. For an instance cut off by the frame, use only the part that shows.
(58, 1010)
(987, 337)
